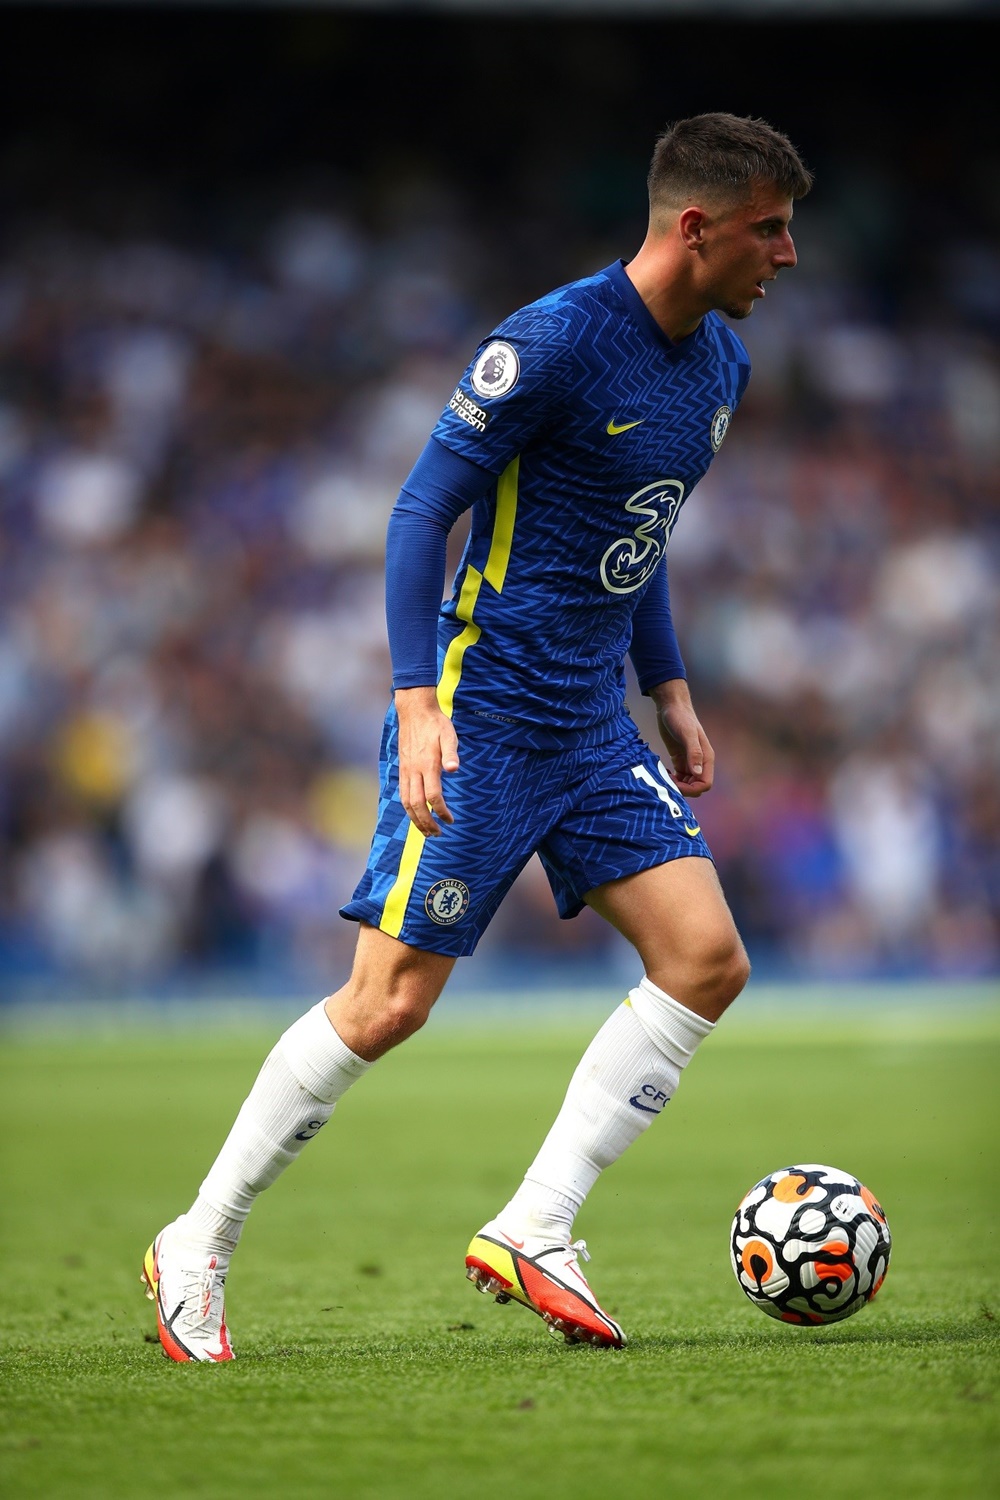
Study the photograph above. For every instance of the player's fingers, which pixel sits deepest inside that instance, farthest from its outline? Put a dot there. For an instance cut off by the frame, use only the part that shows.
(439, 805)
(414, 800)
(696, 768)
(693, 755)
(449, 748)
(707, 763)
(692, 788)
(435, 797)
(691, 784)
(684, 774)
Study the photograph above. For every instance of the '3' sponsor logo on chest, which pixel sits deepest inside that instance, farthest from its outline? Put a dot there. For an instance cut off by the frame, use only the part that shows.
(632, 559)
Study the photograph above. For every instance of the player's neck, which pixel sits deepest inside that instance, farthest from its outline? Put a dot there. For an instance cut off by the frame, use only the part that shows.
(663, 287)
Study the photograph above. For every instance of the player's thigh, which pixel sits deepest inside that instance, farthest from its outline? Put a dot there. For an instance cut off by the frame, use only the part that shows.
(676, 917)
(385, 965)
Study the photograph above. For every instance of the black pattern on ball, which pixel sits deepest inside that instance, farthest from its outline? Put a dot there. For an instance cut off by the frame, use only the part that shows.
(810, 1244)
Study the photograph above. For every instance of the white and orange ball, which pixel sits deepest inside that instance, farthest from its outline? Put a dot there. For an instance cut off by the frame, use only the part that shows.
(810, 1244)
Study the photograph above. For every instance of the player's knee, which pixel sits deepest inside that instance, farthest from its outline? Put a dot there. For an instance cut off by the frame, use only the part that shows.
(388, 1019)
(734, 970)
(709, 974)
(375, 1012)
(404, 1010)
(726, 969)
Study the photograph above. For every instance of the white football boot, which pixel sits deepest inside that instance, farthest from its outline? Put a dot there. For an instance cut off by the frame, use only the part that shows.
(187, 1286)
(546, 1277)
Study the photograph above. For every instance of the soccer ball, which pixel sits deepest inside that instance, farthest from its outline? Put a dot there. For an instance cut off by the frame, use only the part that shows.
(810, 1245)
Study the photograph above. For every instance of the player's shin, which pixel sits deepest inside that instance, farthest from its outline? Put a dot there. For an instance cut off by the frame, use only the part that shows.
(296, 1091)
(624, 1080)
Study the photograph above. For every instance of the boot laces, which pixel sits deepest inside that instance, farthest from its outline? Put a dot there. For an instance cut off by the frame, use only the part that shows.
(207, 1282)
(201, 1291)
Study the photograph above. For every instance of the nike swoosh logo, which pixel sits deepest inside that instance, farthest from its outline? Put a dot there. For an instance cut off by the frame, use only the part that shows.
(692, 831)
(614, 428)
(518, 1244)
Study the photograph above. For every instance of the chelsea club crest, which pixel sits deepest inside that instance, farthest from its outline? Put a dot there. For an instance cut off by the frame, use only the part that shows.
(720, 426)
(447, 901)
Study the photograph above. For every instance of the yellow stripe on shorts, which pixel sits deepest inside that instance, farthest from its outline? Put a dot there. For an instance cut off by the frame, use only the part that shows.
(394, 909)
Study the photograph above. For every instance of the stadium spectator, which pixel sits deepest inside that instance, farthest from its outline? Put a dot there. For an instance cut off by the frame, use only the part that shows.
(197, 460)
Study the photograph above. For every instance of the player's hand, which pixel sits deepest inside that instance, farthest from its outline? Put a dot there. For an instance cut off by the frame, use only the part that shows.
(690, 749)
(428, 746)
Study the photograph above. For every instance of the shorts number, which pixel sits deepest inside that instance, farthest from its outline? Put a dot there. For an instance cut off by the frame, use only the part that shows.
(641, 773)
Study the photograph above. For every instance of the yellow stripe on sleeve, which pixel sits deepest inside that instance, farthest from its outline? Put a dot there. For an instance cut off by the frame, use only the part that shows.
(503, 527)
(394, 909)
(452, 669)
(494, 574)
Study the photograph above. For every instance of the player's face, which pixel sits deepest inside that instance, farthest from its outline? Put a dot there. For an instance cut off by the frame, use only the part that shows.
(746, 247)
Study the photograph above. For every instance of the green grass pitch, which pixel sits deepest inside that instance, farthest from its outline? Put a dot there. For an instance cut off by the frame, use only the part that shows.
(367, 1365)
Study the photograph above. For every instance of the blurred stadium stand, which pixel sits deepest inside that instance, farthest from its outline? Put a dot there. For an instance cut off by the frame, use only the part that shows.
(243, 259)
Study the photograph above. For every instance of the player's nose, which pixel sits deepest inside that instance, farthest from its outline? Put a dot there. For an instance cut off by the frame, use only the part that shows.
(784, 255)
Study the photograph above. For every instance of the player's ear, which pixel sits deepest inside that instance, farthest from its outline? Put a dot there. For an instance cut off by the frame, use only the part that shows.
(691, 227)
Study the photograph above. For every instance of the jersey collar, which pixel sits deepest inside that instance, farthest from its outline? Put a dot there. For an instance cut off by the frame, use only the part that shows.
(641, 314)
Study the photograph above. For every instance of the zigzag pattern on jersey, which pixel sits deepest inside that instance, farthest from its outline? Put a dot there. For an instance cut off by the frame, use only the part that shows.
(549, 650)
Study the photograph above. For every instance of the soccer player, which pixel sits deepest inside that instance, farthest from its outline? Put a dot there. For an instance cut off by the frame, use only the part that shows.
(576, 435)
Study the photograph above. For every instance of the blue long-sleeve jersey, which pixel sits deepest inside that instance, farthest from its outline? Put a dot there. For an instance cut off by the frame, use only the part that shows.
(589, 429)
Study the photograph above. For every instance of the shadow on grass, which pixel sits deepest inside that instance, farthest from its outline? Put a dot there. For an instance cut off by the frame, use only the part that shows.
(922, 1336)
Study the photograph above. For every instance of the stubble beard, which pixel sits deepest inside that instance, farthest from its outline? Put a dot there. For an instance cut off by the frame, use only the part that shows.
(739, 310)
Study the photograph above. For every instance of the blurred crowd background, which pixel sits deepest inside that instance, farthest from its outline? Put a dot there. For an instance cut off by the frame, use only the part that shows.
(219, 359)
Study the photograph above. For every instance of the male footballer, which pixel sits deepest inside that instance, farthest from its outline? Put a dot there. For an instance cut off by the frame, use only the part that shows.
(576, 436)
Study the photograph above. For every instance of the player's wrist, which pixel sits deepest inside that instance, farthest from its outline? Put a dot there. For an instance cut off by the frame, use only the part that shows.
(416, 701)
(670, 693)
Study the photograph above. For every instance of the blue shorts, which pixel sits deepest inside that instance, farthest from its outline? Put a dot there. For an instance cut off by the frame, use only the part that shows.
(591, 815)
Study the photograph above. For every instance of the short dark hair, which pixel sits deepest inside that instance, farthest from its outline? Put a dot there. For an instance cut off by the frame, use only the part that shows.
(722, 156)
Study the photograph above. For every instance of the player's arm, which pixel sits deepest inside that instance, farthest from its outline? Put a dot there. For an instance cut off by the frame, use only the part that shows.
(441, 485)
(661, 673)
(681, 731)
(504, 398)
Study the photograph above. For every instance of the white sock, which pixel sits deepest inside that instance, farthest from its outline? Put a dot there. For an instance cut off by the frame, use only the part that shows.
(296, 1091)
(624, 1079)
